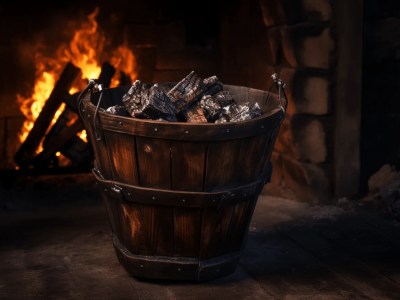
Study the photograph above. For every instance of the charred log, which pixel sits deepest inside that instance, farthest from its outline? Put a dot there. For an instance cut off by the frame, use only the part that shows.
(236, 113)
(152, 103)
(118, 110)
(106, 74)
(192, 88)
(27, 150)
(57, 142)
(194, 114)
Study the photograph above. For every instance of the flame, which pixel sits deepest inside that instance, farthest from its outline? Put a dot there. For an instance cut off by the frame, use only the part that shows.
(123, 59)
(84, 51)
(84, 48)
(32, 106)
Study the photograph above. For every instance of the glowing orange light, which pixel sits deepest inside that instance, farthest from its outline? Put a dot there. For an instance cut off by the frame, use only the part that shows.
(84, 51)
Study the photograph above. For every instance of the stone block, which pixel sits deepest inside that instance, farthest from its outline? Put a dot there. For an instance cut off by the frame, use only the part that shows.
(316, 51)
(305, 138)
(317, 10)
(300, 181)
(287, 12)
(311, 93)
(308, 45)
(308, 182)
(309, 139)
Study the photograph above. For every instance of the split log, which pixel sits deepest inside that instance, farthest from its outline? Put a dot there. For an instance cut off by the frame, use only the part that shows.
(152, 103)
(105, 77)
(27, 150)
(57, 142)
(124, 79)
(195, 114)
(106, 74)
(62, 127)
(192, 88)
(78, 152)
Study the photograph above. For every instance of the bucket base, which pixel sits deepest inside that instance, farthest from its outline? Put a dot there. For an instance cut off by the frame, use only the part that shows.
(175, 268)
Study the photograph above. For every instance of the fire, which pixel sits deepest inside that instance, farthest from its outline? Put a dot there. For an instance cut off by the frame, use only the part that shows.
(84, 51)
(32, 106)
(85, 47)
(123, 59)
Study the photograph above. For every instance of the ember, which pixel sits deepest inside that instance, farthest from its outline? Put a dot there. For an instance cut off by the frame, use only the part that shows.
(193, 100)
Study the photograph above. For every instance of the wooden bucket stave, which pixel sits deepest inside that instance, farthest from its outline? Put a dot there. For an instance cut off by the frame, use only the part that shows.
(180, 196)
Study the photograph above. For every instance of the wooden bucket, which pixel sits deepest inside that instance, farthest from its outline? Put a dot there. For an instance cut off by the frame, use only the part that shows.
(180, 196)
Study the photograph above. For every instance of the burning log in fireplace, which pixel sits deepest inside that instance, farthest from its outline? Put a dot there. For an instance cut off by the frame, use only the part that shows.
(63, 135)
(27, 150)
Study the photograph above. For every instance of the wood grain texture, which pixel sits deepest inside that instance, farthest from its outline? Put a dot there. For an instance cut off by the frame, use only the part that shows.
(187, 163)
(187, 231)
(238, 226)
(214, 230)
(148, 230)
(251, 158)
(186, 191)
(221, 165)
(122, 151)
(154, 158)
(99, 147)
(113, 215)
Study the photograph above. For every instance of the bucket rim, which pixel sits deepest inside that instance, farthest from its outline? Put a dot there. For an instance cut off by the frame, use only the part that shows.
(184, 130)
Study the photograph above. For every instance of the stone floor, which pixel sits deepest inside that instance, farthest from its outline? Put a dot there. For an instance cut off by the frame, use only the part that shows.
(55, 243)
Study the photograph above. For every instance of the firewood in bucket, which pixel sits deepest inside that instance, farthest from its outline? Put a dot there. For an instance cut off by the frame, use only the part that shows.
(236, 113)
(224, 98)
(152, 103)
(212, 105)
(118, 110)
(212, 109)
(255, 111)
(132, 100)
(192, 99)
(212, 86)
(191, 88)
(194, 114)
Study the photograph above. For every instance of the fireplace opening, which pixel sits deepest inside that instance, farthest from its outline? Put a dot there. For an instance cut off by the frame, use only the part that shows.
(336, 135)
